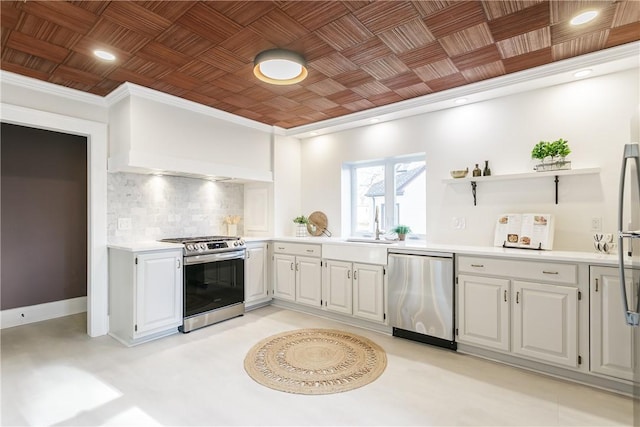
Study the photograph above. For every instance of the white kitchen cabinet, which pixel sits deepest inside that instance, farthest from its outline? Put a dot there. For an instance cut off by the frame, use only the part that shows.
(256, 288)
(308, 281)
(284, 281)
(145, 294)
(483, 311)
(368, 292)
(338, 288)
(297, 273)
(612, 345)
(545, 322)
(354, 288)
(529, 309)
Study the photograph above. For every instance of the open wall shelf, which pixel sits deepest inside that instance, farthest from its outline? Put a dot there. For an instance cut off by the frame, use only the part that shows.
(474, 180)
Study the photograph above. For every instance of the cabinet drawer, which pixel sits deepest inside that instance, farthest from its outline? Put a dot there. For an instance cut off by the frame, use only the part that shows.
(297, 249)
(528, 270)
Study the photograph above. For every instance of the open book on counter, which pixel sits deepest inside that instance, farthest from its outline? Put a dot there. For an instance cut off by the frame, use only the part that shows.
(528, 231)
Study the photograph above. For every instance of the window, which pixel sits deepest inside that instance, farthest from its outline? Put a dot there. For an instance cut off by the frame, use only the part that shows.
(397, 182)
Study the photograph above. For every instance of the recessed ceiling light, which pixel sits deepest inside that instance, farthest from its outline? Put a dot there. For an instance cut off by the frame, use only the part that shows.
(313, 133)
(280, 67)
(584, 17)
(582, 73)
(460, 101)
(374, 120)
(103, 54)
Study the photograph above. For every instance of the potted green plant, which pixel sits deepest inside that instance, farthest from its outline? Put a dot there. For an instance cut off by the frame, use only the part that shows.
(552, 155)
(401, 231)
(301, 225)
(540, 150)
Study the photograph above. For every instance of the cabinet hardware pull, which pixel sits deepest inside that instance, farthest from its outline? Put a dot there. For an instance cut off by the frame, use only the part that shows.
(505, 296)
(355, 274)
(297, 266)
(310, 250)
(596, 284)
(477, 265)
(281, 248)
(348, 274)
(517, 297)
(549, 272)
(291, 266)
(178, 264)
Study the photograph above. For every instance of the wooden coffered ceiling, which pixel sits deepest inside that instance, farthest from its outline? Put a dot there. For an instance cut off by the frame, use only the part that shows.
(360, 54)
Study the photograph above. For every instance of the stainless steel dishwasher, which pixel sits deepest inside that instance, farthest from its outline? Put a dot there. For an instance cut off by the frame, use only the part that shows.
(421, 304)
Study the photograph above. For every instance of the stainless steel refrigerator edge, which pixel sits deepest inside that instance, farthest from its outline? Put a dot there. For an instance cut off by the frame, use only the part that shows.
(421, 300)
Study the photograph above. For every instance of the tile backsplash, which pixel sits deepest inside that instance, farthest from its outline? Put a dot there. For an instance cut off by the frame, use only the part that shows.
(168, 206)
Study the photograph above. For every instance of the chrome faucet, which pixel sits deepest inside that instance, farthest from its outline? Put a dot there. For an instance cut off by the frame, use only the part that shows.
(377, 221)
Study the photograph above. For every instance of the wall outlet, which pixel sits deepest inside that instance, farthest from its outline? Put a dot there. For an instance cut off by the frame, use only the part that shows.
(458, 223)
(124, 223)
(596, 224)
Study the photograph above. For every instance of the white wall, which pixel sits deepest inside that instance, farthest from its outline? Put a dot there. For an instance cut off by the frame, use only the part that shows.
(287, 185)
(593, 114)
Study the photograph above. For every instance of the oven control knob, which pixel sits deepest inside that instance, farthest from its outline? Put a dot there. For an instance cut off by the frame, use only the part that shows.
(241, 242)
(203, 246)
(189, 247)
(235, 243)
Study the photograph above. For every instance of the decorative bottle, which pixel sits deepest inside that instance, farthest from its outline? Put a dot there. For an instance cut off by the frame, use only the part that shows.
(486, 171)
(477, 171)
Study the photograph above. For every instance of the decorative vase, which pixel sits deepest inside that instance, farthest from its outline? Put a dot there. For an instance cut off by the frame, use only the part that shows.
(301, 230)
(401, 237)
(477, 171)
(232, 229)
(486, 171)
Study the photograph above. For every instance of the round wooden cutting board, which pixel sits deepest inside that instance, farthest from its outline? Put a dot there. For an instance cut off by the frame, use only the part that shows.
(317, 223)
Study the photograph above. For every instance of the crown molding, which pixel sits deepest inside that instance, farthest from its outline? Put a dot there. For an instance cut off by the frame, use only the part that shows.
(51, 88)
(610, 60)
(128, 89)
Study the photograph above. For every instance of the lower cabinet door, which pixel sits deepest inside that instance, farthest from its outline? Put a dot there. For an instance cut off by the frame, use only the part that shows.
(483, 311)
(611, 343)
(255, 273)
(284, 280)
(308, 281)
(368, 292)
(158, 292)
(338, 286)
(545, 322)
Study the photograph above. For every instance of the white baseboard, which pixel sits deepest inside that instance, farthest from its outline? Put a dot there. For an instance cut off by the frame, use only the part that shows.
(37, 313)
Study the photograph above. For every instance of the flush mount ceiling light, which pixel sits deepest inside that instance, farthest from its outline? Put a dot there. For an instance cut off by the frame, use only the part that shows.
(280, 67)
(103, 54)
(461, 101)
(584, 17)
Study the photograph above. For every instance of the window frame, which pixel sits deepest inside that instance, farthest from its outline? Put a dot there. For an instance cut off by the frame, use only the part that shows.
(387, 219)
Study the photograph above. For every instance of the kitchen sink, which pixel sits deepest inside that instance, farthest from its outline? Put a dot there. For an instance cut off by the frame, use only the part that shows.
(363, 240)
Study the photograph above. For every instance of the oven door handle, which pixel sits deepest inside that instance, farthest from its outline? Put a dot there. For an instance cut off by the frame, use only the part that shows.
(201, 259)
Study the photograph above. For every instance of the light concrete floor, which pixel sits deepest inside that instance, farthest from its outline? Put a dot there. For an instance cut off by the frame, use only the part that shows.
(54, 374)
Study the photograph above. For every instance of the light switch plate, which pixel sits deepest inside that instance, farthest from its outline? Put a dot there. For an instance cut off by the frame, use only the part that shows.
(124, 223)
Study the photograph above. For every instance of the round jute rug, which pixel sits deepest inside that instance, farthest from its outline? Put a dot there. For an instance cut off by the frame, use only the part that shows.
(315, 361)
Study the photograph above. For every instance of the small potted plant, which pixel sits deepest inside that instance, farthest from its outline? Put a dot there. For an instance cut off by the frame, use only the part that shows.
(301, 225)
(552, 155)
(402, 231)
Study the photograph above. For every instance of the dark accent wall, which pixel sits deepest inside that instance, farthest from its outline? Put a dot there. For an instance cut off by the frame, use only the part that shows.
(43, 221)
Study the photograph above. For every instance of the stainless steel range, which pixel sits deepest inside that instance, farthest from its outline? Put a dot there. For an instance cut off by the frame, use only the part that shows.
(213, 279)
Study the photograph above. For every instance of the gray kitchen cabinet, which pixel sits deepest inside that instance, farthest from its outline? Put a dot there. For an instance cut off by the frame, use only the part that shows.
(256, 288)
(611, 339)
(145, 294)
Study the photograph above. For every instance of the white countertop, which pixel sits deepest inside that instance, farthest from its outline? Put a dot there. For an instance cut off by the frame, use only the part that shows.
(150, 245)
(421, 245)
(418, 245)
